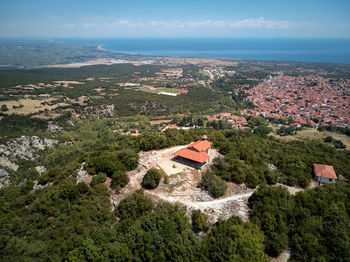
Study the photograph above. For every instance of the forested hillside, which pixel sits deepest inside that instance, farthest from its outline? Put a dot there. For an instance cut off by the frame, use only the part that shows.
(53, 218)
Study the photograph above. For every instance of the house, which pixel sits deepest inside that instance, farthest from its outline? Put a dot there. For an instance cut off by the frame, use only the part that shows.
(196, 154)
(325, 174)
(173, 127)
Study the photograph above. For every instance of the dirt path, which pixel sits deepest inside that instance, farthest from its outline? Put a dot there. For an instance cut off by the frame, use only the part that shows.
(214, 209)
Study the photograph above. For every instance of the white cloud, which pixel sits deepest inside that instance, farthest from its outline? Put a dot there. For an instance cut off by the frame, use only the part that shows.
(127, 23)
(167, 23)
(245, 23)
(260, 23)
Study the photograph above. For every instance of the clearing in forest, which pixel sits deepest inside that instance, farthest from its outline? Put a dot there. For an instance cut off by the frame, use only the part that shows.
(182, 186)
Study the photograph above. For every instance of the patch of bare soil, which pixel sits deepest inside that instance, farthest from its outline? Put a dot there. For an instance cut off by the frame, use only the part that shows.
(156, 122)
(283, 257)
(182, 186)
(294, 189)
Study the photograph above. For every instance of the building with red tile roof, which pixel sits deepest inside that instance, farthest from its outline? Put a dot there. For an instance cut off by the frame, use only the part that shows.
(196, 152)
(325, 174)
(173, 127)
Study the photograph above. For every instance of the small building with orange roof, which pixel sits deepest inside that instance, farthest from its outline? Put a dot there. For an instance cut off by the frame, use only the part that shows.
(325, 174)
(173, 127)
(196, 154)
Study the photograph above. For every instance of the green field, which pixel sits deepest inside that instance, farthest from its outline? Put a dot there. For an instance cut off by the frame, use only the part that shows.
(169, 90)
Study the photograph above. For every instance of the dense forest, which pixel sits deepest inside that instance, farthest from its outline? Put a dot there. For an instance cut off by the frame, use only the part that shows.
(61, 220)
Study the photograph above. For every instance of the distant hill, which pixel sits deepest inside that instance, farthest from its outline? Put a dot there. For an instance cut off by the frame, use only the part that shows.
(38, 53)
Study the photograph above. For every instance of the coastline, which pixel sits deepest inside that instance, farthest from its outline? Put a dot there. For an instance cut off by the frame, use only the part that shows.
(293, 50)
(143, 59)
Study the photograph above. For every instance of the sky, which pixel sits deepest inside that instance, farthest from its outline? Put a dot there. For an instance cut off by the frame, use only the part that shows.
(175, 18)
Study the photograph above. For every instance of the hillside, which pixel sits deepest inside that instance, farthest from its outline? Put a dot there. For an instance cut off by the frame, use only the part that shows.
(88, 170)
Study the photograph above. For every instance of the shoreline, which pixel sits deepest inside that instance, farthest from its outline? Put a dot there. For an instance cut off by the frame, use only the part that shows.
(99, 47)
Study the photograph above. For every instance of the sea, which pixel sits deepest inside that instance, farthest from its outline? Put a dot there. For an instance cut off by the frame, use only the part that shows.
(278, 49)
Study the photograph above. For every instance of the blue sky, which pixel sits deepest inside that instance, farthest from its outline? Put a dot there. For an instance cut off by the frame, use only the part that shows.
(175, 18)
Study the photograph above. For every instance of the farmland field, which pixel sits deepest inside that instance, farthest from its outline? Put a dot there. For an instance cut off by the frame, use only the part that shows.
(170, 90)
(29, 106)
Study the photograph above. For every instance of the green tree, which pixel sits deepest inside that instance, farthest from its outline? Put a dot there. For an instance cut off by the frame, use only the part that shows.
(271, 207)
(134, 206)
(199, 221)
(262, 130)
(119, 180)
(4, 108)
(233, 240)
(128, 157)
(106, 163)
(98, 179)
(151, 179)
(214, 184)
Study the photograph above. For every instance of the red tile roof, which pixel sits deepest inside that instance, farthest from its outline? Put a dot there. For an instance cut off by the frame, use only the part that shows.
(195, 151)
(325, 171)
(200, 157)
(200, 145)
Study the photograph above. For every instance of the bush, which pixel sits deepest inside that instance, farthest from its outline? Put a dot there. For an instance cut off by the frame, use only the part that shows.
(328, 139)
(134, 206)
(129, 158)
(286, 131)
(4, 108)
(119, 180)
(151, 179)
(199, 221)
(214, 184)
(262, 130)
(100, 178)
(335, 142)
(270, 208)
(82, 187)
(52, 175)
(234, 240)
(107, 164)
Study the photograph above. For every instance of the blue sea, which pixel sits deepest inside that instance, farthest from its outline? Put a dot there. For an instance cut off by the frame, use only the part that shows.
(293, 49)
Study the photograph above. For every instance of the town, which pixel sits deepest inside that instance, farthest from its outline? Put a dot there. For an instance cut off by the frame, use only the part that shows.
(306, 99)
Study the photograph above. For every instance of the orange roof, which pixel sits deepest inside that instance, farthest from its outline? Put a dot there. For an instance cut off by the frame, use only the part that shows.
(325, 171)
(195, 151)
(200, 145)
(173, 127)
(200, 157)
(212, 119)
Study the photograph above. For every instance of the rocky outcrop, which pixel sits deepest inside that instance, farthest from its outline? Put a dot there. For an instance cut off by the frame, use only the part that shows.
(52, 127)
(24, 147)
(4, 179)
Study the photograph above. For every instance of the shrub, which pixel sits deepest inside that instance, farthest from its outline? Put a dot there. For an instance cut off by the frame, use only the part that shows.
(129, 158)
(4, 108)
(82, 187)
(52, 175)
(134, 206)
(107, 164)
(119, 180)
(151, 179)
(199, 221)
(100, 178)
(214, 184)
(262, 130)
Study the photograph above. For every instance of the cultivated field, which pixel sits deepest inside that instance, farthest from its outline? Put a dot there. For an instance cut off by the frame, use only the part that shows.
(29, 106)
(313, 134)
